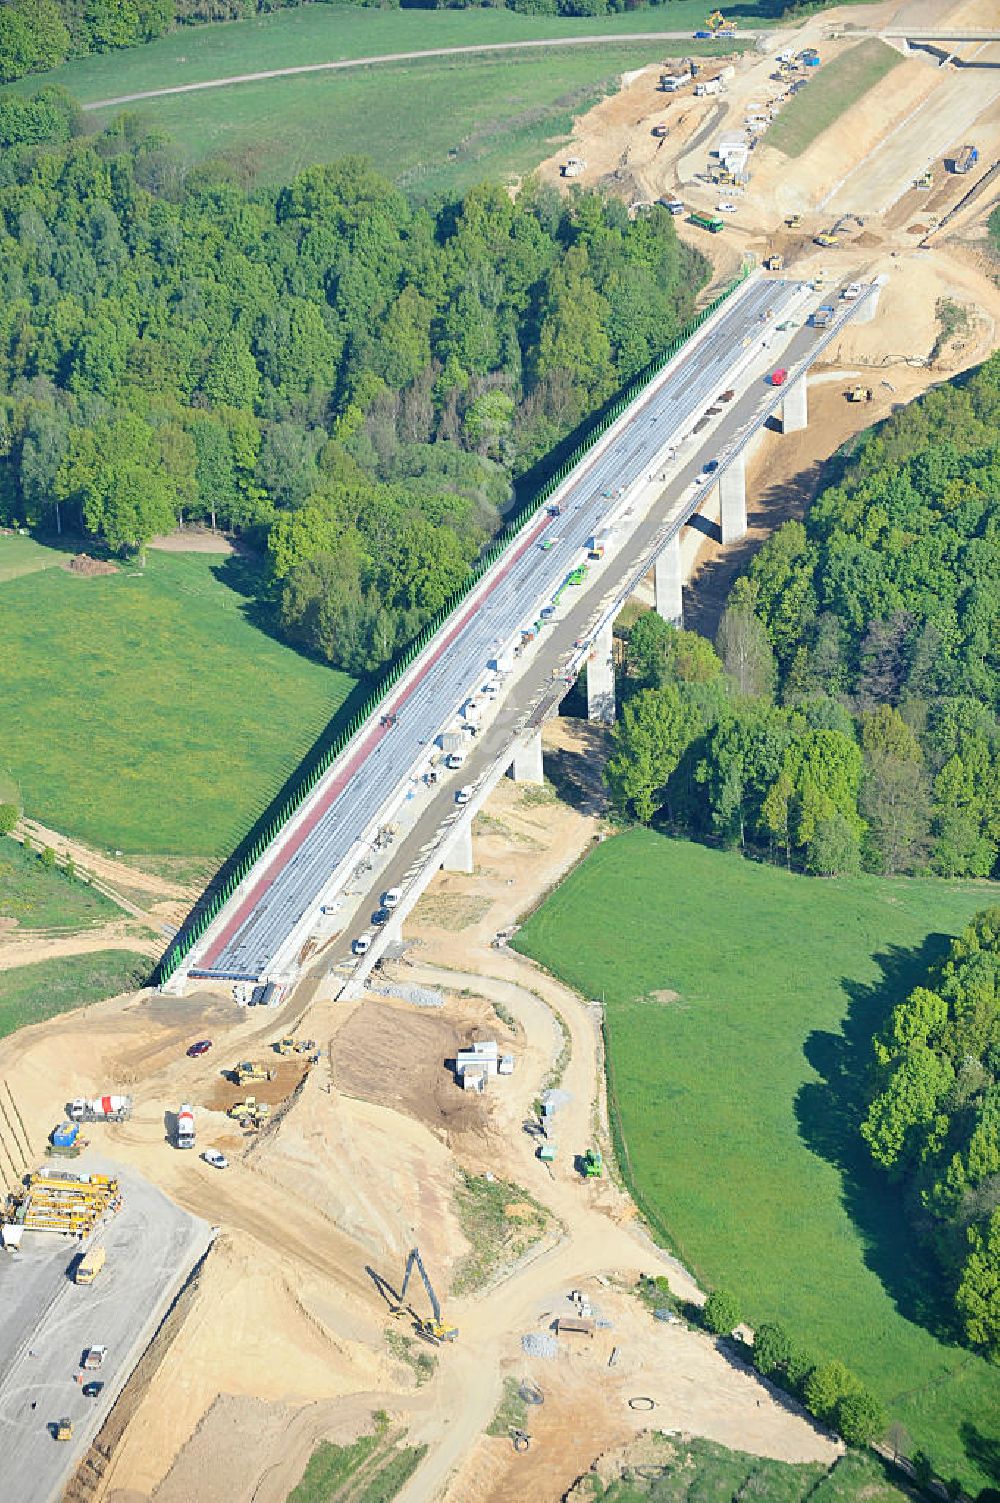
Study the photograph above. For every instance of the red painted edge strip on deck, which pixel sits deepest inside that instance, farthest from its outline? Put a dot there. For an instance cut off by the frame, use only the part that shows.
(281, 858)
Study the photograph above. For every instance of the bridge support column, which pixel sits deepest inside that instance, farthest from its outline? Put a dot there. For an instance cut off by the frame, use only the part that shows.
(458, 852)
(667, 582)
(795, 408)
(527, 764)
(601, 677)
(733, 502)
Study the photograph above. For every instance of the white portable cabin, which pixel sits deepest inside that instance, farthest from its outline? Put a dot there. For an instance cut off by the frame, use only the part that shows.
(483, 1055)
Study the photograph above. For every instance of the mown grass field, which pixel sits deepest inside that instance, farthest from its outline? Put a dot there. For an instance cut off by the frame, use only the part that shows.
(24, 556)
(430, 127)
(32, 993)
(740, 1001)
(41, 897)
(145, 712)
(833, 89)
(331, 33)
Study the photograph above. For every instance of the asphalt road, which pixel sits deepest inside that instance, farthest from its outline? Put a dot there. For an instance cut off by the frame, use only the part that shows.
(290, 883)
(533, 683)
(151, 1246)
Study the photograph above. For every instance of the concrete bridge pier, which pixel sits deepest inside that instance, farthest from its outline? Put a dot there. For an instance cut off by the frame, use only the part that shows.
(795, 407)
(527, 765)
(458, 852)
(601, 677)
(668, 579)
(733, 501)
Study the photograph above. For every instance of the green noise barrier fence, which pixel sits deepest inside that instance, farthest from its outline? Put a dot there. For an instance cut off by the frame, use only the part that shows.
(201, 921)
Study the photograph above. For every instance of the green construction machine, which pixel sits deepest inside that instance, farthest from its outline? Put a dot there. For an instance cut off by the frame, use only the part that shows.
(593, 1164)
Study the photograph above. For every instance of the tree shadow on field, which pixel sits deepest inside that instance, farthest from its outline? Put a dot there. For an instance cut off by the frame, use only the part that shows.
(982, 1450)
(830, 1112)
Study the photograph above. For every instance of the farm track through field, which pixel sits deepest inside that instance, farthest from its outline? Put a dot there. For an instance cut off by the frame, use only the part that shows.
(399, 57)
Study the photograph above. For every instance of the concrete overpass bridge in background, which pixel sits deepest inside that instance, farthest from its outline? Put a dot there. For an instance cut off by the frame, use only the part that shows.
(385, 813)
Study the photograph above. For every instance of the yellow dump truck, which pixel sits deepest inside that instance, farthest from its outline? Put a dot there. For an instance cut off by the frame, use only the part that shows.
(90, 1266)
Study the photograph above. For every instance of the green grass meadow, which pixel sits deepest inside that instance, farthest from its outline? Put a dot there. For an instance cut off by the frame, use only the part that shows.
(41, 897)
(32, 993)
(833, 89)
(145, 711)
(430, 127)
(740, 1001)
(332, 33)
(700, 1471)
(24, 556)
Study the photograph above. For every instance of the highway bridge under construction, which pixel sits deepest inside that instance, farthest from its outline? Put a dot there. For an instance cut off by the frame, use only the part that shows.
(651, 457)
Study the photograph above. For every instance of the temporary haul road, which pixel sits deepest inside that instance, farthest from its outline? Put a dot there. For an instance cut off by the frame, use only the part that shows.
(262, 930)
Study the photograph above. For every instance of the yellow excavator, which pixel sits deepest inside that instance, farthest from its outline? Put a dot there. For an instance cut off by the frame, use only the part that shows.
(435, 1329)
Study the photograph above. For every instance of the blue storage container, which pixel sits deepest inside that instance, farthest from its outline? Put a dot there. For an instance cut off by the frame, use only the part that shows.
(65, 1135)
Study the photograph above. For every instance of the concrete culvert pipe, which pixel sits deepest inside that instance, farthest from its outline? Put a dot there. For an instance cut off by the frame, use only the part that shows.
(642, 1401)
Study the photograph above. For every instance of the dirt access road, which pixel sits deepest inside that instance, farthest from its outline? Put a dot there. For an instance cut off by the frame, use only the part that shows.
(400, 57)
(285, 1321)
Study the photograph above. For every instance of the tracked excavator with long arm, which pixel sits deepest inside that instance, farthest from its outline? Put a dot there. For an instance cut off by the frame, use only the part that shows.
(435, 1329)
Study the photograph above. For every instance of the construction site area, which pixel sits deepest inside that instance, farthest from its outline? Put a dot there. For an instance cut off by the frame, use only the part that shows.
(232, 1233)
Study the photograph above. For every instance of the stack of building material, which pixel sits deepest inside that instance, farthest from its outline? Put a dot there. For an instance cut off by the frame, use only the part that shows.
(71, 1204)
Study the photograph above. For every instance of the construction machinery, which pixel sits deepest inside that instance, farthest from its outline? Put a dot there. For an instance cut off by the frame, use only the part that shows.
(185, 1135)
(435, 1329)
(100, 1108)
(774, 262)
(65, 1141)
(859, 394)
(793, 221)
(90, 1266)
(250, 1112)
(62, 1429)
(593, 1164)
(826, 237)
(925, 180)
(248, 1071)
(295, 1046)
(965, 160)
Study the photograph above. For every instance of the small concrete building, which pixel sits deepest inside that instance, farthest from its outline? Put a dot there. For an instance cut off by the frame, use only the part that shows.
(482, 1055)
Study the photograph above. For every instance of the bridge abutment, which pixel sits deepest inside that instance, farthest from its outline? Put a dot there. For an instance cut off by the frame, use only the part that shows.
(601, 677)
(733, 501)
(458, 853)
(869, 308)
(795, 408)
(527, 766)
(668, 580)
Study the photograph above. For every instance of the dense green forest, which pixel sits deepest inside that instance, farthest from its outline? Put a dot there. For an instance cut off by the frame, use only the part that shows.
(855, 723)
(934, 1120)
(351, 379)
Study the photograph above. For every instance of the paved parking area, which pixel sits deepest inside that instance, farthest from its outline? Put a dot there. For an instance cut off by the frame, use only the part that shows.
(47, 1321)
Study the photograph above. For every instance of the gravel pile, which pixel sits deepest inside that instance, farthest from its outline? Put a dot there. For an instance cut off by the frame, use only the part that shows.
(537, 1344)
(420, 996)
